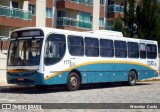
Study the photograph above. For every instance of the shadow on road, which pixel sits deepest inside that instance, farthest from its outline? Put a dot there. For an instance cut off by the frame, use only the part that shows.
(61, 88)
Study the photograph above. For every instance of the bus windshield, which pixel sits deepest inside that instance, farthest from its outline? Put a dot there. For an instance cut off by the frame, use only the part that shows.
(25, 52)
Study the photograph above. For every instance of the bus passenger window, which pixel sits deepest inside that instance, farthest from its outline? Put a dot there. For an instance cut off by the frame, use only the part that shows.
(133, 50)
(106, 48)
(55, 48)
(91, 47)
(120, 49)
(151, 51)
(142, 48)
(75, 45)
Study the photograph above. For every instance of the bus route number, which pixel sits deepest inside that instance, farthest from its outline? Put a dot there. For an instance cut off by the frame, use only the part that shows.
(69, 62)
(151, 63)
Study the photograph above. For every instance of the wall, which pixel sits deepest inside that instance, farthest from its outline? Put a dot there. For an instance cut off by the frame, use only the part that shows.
(40, 13)
(96, 10)
(5, 2)
(2, 68)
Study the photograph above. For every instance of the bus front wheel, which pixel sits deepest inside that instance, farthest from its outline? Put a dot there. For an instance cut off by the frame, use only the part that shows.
(73, 81)
(132, 78)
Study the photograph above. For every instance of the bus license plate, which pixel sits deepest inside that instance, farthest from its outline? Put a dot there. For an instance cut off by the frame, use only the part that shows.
(20, 79)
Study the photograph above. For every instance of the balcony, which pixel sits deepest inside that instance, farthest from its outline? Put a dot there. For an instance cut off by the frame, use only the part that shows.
(115, 8)
(70, 22)
(15, 17)
(84, 2)
(2, 37)
(15, 13)
(74, 5)
(115, 11)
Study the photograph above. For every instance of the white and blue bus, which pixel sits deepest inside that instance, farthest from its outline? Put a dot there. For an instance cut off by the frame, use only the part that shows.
(46, 56)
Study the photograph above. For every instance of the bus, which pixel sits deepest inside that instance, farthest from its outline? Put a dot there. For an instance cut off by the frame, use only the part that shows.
(43, 56)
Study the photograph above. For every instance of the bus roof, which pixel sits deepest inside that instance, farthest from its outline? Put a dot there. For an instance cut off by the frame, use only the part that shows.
(102, 33)
(109, 33)
(98, 32)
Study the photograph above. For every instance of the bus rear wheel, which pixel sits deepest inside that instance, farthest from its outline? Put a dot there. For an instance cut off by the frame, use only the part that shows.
(132, 78)
(73, 81)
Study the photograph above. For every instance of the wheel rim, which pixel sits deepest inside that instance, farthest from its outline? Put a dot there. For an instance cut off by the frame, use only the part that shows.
(73, 81)
(132, 78)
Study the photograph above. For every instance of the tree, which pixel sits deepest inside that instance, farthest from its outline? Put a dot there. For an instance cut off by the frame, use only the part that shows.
(118, 25)
(147, 18)
(142, 19)
(129, 17)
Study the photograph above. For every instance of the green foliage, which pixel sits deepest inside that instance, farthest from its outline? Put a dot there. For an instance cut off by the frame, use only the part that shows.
(146, 18)
(118, 25)
(129, 17)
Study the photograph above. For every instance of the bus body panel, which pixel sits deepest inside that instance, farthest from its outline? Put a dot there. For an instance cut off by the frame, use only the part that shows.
(105, 72)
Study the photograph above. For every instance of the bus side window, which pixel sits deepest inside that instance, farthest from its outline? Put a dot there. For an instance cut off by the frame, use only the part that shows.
(91, 47)
(151, 51)
(55, 48)
(142, 48)
(133, 50)
(106, 48)
(120, 49)
(75, 45)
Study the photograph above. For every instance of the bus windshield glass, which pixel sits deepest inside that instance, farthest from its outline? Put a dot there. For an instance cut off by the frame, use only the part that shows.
(25, 52)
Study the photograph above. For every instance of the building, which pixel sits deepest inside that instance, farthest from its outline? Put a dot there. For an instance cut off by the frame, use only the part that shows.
(79, 15)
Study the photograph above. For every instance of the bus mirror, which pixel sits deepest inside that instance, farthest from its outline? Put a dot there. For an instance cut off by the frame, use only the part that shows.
(1, 44)
(4, 45)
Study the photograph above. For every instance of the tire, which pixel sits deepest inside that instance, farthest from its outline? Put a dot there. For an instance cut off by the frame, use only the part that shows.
(132, 78)
(73, 81)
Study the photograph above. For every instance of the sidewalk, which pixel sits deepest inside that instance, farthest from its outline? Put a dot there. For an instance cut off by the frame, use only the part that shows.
(3, 80)
(152, 79)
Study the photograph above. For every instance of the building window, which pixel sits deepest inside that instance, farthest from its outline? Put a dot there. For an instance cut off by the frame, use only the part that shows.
(61, 14)
(101, 2)
(120, 49)
(151, 51)
(15, 4)
(91, 47)
(109, 25)
(75, 45)
(133, 50)
(142, 48)
(32, 8)
(86, 2)
(49, 12)
(106, 48)
(110, 2)
(101, 22)
(84, 16)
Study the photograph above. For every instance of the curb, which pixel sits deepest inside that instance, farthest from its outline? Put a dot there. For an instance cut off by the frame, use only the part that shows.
(151, 79)
(5, 89)
(13, 87)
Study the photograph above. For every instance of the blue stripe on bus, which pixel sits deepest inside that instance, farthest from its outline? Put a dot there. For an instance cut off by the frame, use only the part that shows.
(109, 72)
(91, 73)
(99, 62)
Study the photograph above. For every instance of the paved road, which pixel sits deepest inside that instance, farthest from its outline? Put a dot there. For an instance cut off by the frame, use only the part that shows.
(143, 92)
